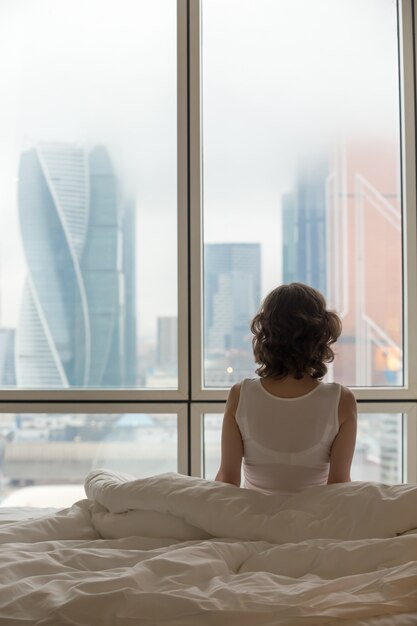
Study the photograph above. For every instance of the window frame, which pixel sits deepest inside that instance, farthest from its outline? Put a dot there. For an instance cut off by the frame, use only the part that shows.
(180, 409)
(191, 396)
(150, 394)
(409, 432)
(407, 77)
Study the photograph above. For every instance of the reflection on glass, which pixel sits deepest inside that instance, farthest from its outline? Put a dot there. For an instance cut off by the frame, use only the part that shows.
(86, 300)
(378, 453)
(44, 458)
(302, 176)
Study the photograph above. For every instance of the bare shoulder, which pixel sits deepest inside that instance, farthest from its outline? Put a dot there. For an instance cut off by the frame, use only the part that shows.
(347, 405)
(233, 398)
(347, 395)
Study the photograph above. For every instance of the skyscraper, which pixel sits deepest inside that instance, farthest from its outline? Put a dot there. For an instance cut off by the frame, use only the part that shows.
(365, 261)
(232, 289)
(129, 274)
(342, 234)
(357, 213)
(304, 226)
(167, 346)
(71, 329)
(7, 368)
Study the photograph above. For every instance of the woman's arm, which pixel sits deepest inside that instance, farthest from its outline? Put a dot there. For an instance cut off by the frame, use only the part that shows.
(341, 453)
(232, 445)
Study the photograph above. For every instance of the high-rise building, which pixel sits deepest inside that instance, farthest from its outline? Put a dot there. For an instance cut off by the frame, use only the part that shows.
(304, 226)
(232, 290)
(364, 282)
(72, 325)
(167, 346)
(129, 274)
(7, 368)
(342, 235)
(391, 445)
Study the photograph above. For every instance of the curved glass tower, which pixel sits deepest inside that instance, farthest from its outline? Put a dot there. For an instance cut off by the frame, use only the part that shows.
(71, 325)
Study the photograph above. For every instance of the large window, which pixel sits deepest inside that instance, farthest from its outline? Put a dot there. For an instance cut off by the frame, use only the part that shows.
(302, 175)
(88, 208)
(378, 454)
(45, 456)
(165, 164)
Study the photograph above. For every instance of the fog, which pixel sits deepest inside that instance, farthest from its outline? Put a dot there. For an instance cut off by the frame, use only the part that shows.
(279, 79)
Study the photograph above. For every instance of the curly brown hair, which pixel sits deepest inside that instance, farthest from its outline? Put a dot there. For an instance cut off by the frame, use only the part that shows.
(293, 333)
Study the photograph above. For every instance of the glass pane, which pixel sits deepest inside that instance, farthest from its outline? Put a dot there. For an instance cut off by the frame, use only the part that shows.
(212, 427)
(302, 175)
(378, 454)
(88, 194)
(44, 458)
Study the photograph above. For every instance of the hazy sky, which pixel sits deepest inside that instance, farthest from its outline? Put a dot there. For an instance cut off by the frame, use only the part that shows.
(280, 78)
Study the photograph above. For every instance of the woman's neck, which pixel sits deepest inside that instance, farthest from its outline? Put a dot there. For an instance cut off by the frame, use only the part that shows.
(289, 386)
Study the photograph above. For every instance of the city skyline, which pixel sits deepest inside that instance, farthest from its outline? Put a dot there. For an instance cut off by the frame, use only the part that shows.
(260, 116)
(232, 292)
(341, 228)
(315, 214)
(75, 326)
(125, 96)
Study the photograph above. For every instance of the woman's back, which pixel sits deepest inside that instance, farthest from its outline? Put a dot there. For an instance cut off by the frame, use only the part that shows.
(291, 430)
(286, 440)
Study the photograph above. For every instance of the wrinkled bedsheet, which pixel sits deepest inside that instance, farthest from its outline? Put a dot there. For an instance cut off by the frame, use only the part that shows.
(184, 551)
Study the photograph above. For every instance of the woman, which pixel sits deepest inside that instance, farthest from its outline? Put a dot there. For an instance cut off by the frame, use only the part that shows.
(291, 430)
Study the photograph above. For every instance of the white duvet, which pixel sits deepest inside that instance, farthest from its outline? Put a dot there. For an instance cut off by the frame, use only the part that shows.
(184, 551)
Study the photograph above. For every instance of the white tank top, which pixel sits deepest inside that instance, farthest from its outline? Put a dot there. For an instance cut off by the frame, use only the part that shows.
(286, 441)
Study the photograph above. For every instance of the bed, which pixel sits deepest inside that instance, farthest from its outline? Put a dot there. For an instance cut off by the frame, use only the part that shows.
(184, 551)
